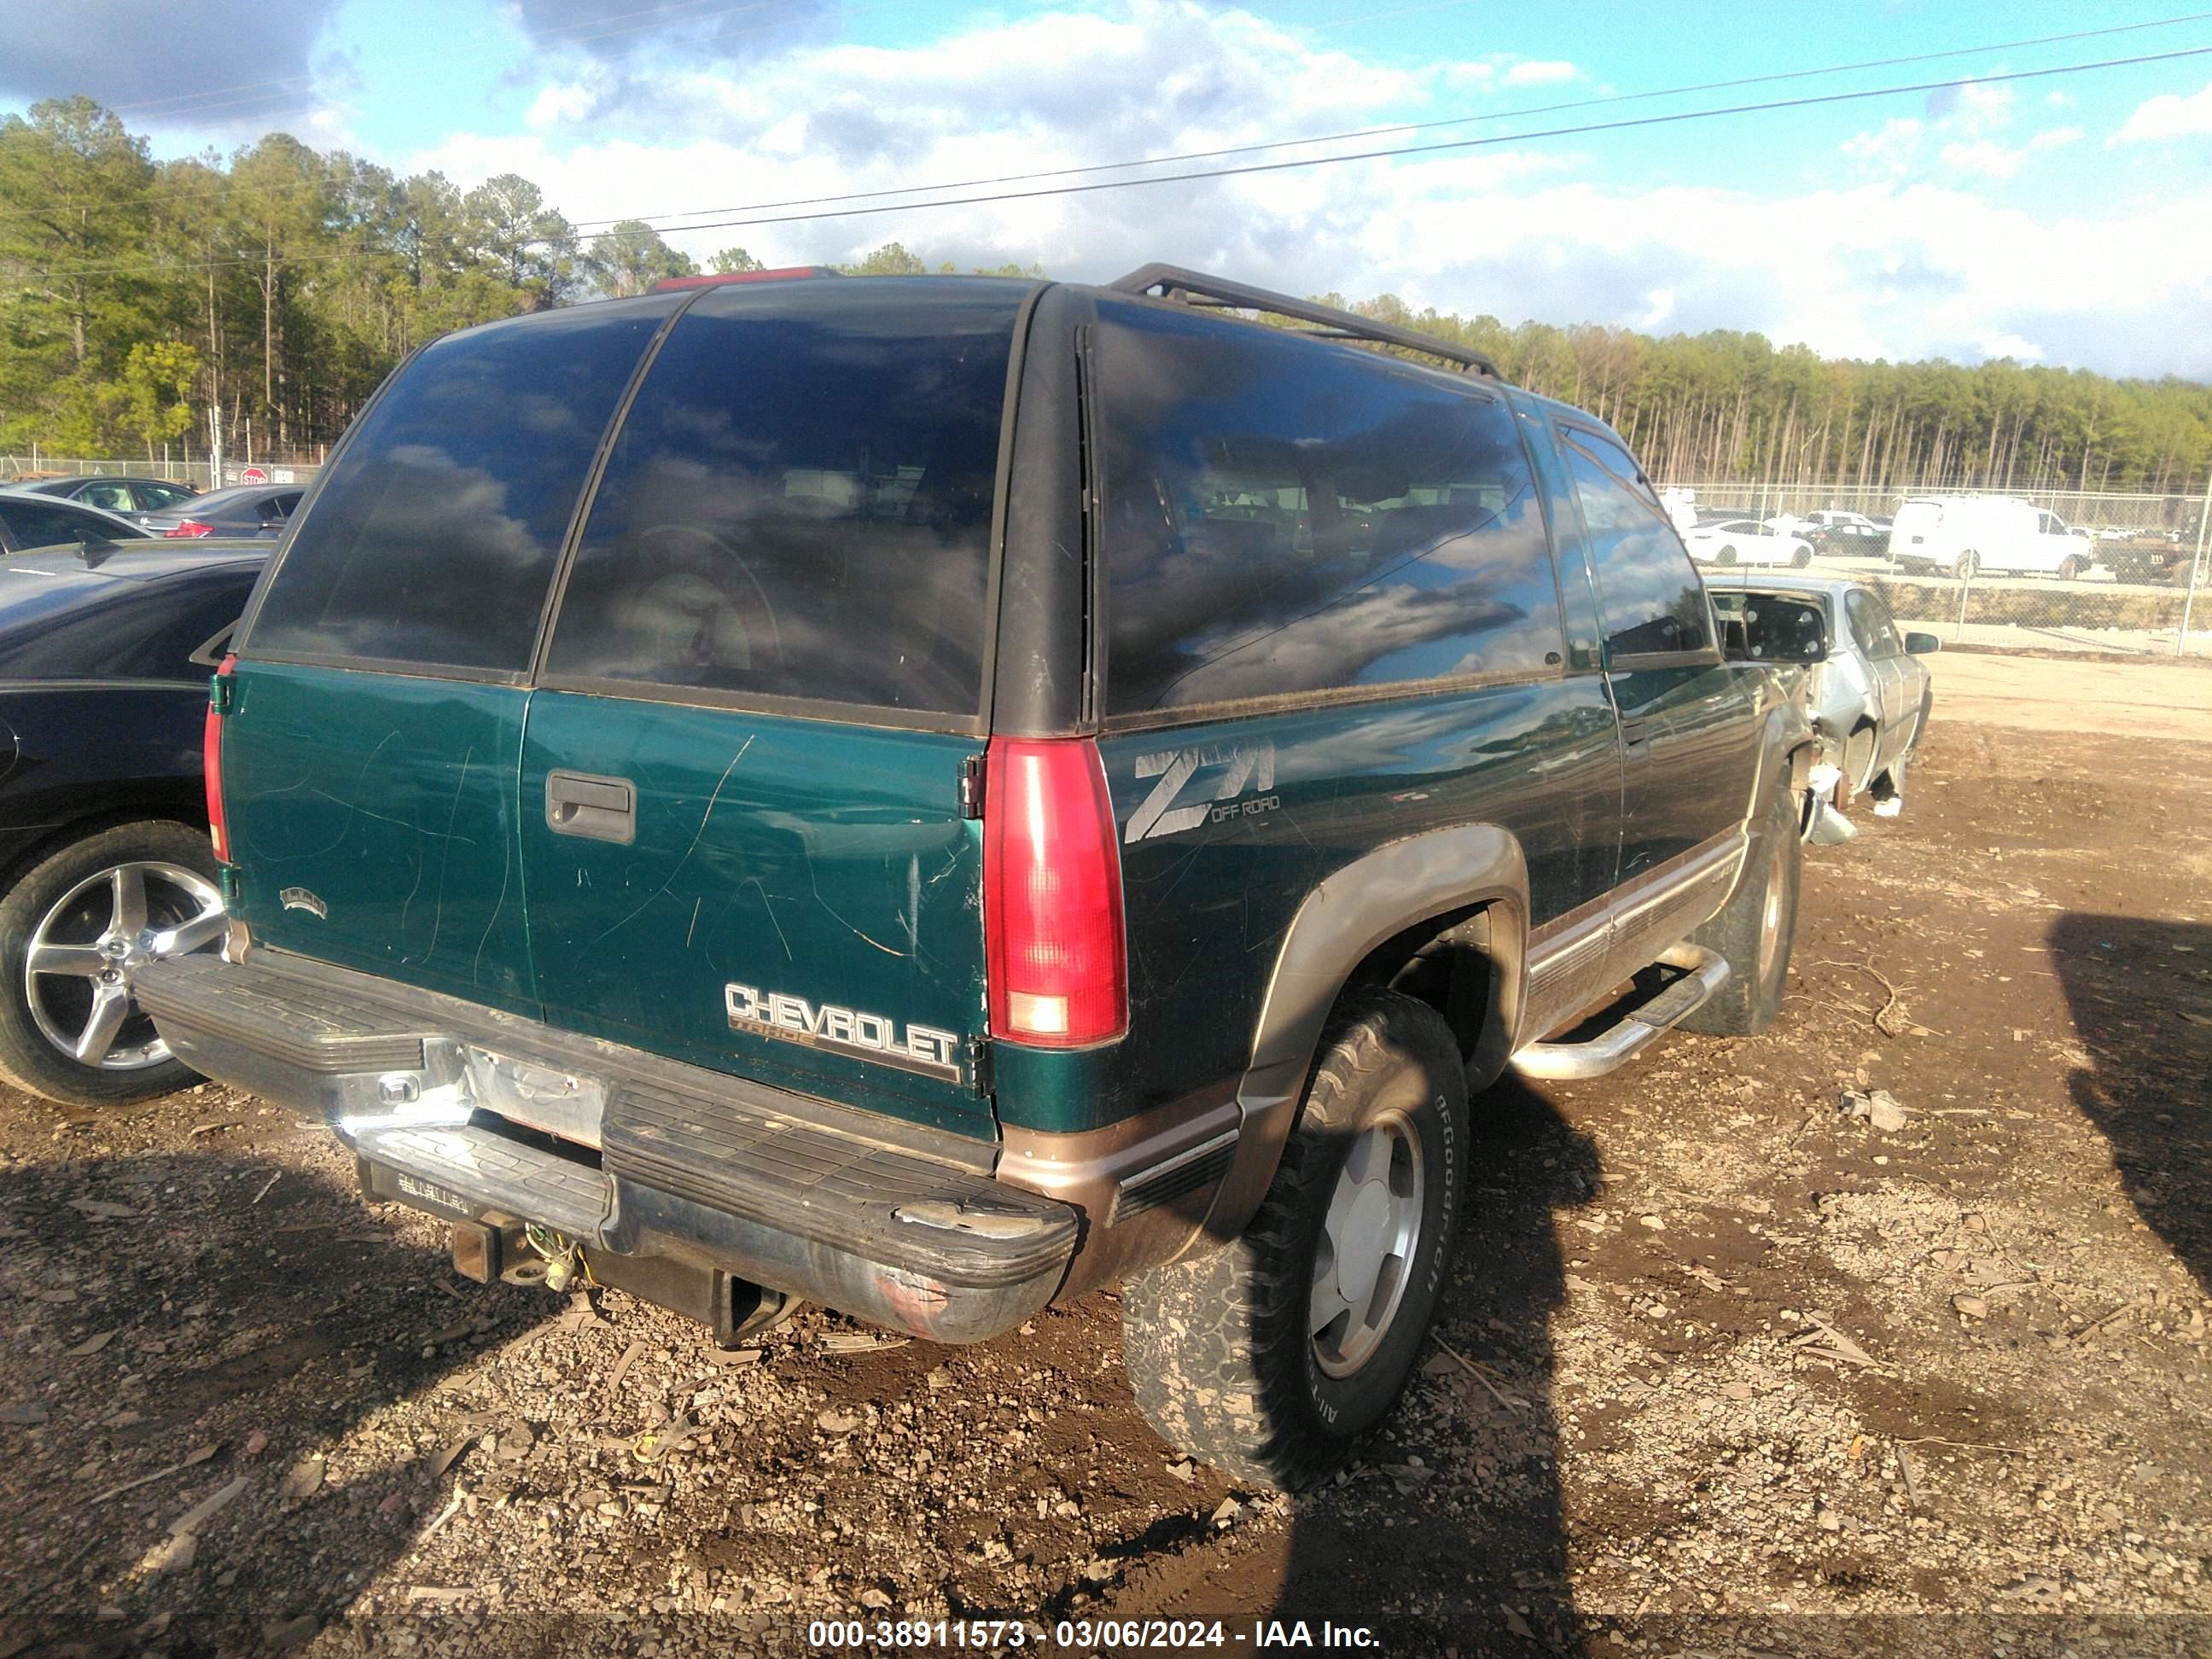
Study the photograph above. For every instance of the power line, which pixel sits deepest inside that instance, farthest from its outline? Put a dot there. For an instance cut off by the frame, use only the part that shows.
(1466, 144)
(1418, 126)
(1774, 77)
(1812, 101)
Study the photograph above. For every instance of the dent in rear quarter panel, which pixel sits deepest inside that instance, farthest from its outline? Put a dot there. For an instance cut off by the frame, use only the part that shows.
(1208, 902)
(389, 802)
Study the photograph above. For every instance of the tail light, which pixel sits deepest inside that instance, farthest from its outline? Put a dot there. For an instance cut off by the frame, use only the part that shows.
(1052, 896)
(211, 755)
(190, 527)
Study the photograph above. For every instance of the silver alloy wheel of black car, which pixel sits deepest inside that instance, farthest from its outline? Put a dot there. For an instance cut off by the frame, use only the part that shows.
(1367, 1243)
(82, 952)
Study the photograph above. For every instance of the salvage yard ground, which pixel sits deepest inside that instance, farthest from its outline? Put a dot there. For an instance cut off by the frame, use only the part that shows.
(1724, 1367)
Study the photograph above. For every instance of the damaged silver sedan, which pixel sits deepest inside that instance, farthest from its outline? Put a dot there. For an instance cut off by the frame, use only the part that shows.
(1867, 693)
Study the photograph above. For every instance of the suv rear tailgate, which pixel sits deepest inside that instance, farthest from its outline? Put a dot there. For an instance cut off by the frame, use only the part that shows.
(743, 837)
(799, 901)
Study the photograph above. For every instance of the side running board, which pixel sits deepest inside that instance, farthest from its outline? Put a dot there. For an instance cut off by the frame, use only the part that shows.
(1704, 974)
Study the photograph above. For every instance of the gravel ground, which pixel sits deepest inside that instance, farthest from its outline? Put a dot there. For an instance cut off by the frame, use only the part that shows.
(1728, 1366)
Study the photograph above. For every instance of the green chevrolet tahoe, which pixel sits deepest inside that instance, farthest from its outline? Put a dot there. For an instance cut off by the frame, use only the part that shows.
(931, 796)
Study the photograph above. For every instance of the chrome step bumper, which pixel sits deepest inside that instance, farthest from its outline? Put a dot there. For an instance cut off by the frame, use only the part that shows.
(464, 1170)
(476, 1115)
(1704, 974)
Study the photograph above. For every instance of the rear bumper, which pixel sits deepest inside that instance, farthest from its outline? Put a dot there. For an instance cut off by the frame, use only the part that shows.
(891, 1222)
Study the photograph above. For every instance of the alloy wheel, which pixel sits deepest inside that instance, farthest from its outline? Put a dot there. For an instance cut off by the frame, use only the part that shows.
(1364, 1258)
(76, 972)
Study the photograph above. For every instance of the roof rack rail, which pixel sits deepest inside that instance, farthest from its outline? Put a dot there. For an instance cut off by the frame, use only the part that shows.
(1195, 287)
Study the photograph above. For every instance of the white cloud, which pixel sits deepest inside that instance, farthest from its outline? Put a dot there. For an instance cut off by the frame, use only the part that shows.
(1891, 149)
(2169, 115)
(1542, 72)
(557, 105)
(1979, 107)
(1967, 127)
(1990, 160)
(1898, 264)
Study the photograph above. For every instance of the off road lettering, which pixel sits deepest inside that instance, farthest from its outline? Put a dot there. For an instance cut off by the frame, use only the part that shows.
(1242, 766)
(846, 1030)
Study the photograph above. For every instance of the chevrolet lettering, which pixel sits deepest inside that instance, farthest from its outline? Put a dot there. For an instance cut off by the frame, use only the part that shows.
(829, 1026)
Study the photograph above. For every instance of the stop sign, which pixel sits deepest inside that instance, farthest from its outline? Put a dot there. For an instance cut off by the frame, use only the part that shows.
(253, 475)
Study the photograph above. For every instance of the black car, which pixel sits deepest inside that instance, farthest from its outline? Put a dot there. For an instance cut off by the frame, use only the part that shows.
(105, 654)
(1849, 539)
(247, 510)
(131, 497)
(28, 520)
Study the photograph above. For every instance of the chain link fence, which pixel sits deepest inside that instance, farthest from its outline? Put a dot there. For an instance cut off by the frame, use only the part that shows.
(17, 469)
(2066, 570)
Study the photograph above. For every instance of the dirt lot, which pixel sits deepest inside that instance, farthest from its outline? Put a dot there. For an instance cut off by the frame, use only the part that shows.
(1729, 1370)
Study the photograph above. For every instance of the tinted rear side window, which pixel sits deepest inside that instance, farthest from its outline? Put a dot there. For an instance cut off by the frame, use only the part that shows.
(798, 504)
(1283, 519)
(434, 537)
(1648, 589)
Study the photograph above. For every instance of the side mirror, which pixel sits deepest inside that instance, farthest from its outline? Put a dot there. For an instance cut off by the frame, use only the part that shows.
(1921, 645)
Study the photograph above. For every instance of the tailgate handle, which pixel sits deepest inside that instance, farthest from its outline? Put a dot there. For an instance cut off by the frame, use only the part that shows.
(599, 808)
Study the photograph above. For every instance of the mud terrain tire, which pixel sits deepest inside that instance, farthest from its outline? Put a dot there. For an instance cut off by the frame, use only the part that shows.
(1220, 1349)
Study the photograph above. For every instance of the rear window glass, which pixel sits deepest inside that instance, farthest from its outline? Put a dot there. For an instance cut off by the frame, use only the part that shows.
(798, 504)
(1653, 602)
(434, 537)
(1283, 519)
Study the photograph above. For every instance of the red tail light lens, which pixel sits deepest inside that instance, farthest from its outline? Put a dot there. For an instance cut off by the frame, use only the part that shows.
(1052, 896)
(190, 527)
(211, 757)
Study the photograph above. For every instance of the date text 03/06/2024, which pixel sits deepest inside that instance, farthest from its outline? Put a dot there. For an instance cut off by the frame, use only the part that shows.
(1085, 1635)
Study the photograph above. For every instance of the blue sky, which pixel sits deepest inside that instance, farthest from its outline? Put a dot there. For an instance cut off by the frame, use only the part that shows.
(2065, 220)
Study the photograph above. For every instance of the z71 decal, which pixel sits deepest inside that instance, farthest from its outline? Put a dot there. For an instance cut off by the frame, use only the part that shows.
(1241, 767)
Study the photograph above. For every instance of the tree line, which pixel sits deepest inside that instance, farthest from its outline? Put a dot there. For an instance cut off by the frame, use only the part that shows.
(144, 303)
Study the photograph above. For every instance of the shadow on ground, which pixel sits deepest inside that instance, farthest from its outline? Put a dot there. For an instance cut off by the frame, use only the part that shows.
(1467, 1548)
(182, 1323)
(2140, 992)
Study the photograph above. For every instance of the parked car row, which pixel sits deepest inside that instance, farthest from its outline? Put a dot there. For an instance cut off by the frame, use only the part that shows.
(921, 919)
(1954, 535)
(128, 497)
(33, 516)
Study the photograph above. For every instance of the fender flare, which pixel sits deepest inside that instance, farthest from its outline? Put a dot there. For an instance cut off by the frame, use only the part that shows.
(1787, 739)
(1354, 911)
